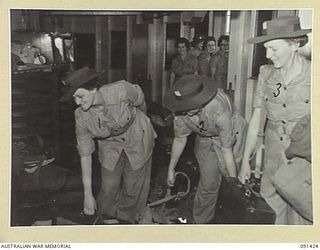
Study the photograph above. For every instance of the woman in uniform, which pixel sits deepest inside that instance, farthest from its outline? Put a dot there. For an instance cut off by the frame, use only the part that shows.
(218, 63)
(114, 115)
(283, 97)
(196, 46)
(210, 48)
(184, 63)
(202, 108)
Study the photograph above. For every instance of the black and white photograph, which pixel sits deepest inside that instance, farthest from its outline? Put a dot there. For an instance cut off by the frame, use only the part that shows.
(126, 118)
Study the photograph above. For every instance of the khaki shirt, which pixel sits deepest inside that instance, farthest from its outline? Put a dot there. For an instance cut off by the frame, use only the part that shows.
(203, 63)
(285, 104)
(121, 126)
(219, 61)
(285, 101)
(218, 122)
(184, 67)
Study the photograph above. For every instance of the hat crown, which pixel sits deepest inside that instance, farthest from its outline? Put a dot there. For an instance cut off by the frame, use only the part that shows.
(79, 74)
(188, 86)
(198, 38)
(190, 92)
(284, 27)
(76, 79)
(281, 24)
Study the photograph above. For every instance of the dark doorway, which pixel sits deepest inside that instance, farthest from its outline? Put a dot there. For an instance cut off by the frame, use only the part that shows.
(84, 50)
(173, 33)
(118, 49)
(140, 58)
(259, 55)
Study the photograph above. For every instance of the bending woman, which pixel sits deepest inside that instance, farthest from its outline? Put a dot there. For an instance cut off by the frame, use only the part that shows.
(114, 114)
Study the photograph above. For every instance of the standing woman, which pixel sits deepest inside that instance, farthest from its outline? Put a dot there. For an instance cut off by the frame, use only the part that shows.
(196, 46)
(283, 96)
(218, 63)
(210, 47)
(184, 63)
(114, 115)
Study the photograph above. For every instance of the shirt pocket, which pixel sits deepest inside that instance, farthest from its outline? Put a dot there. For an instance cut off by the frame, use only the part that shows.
(300, 94)
(99, 128)
(138, 134)
(273, 92)
(137, 131)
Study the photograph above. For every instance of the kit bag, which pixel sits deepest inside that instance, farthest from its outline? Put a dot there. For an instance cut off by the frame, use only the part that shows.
(294, 183)
(293, 179)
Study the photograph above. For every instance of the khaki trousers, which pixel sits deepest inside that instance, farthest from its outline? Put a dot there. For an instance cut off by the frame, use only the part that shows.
(124, 191)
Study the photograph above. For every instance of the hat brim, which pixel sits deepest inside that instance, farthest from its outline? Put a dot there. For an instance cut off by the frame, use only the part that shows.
(208, 92)
(265, 38)
(70, 91)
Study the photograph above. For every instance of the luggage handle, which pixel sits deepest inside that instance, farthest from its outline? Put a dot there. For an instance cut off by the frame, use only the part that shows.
(168, 196)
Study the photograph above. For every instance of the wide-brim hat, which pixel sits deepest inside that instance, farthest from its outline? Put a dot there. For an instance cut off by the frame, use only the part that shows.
(280, 28)
(198, 39)
(76, 79)
(190, 92)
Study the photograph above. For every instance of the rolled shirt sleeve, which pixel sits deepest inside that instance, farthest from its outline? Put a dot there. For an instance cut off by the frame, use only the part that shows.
(180, 127)
(224, 124)
(259, 93)
(85, 143)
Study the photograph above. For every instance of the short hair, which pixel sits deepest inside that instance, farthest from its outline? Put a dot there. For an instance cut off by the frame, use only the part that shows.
(182, 40)
(223, 38)
(301, 40)
(208, 39)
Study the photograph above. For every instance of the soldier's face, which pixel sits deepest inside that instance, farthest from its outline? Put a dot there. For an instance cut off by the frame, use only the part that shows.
(84, 98)
(211, 46)
(182, 49)
(280, 51)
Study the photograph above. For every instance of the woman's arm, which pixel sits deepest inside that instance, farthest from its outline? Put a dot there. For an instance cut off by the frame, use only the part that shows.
(213, 64)
(212, 72)
(251, 141)
(172, 77)
(203, 65)
(89, 203)
(228, 157)
(178, 146)
(223, 114)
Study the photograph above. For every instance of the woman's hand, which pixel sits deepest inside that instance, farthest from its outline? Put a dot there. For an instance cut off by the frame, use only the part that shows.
(245, 171)
(171, 177)
(89, 205)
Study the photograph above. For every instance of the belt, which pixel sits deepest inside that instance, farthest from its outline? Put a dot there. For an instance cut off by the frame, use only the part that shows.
(274, 125)
(282, 128)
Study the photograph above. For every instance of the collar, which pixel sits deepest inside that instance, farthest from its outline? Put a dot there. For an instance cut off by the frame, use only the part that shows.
(298, 64)
(98, 102)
